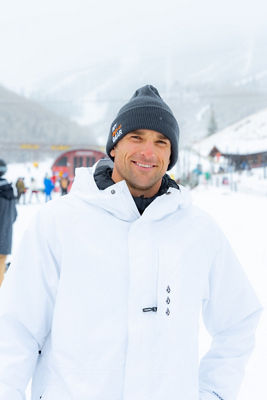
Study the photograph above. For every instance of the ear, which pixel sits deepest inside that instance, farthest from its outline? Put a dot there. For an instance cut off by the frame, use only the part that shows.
(112, 153)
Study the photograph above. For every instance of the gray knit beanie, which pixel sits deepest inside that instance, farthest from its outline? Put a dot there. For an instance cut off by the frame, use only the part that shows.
(145, 110)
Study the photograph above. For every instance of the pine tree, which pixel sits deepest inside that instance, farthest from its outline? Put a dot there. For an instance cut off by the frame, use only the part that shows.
(212, 125)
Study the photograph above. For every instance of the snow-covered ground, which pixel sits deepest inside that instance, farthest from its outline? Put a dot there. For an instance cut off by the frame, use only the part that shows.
(243, 218)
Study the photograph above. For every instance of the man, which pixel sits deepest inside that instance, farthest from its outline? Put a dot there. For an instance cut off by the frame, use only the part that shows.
(104, 304)
(21, 189)
(64, 183)
(8, 214)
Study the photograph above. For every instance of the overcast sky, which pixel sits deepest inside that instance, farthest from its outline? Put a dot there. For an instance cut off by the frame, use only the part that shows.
(41, 38)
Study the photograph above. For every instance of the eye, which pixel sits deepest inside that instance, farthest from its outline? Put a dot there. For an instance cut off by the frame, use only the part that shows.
(136, 137)
(162, 142)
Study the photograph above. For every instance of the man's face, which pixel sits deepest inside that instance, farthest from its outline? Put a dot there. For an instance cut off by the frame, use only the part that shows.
(141, 158)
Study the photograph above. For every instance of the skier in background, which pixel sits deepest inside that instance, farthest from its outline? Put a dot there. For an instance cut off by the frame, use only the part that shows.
(21, 190)
(33, 188)
(54, 179)
(64, 183)
(48, 188)
(8, 216)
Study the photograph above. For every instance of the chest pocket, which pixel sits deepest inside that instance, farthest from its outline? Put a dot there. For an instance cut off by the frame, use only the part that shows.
(182, 282)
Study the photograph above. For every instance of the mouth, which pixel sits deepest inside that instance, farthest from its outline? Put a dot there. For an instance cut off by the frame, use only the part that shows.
(144, 165)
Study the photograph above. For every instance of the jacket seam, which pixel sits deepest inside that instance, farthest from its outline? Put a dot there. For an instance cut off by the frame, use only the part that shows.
(216, 394)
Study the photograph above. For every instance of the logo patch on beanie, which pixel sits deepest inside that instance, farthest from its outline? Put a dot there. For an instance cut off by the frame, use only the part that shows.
(116, 132)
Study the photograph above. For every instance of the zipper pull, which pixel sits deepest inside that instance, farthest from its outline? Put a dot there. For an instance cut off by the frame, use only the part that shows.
(147, 309)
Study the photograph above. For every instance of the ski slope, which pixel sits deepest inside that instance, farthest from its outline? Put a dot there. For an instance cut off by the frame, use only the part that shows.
(247, 136)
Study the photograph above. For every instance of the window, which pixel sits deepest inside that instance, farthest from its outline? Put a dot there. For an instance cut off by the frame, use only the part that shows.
(90, 161)
(78, 162)
(62, 162)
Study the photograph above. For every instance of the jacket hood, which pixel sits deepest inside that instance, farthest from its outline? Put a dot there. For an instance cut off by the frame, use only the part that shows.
(118, 201)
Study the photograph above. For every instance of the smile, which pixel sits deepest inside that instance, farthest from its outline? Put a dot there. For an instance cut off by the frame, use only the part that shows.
(143, 165)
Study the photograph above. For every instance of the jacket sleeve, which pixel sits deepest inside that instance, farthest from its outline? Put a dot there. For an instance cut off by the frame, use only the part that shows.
(26, 306)
(230, 314)
(14, 208)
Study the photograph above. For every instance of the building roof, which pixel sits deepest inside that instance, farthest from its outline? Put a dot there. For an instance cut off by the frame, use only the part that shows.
(247, 136)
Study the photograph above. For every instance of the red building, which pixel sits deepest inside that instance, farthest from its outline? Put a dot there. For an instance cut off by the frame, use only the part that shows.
(67, 162)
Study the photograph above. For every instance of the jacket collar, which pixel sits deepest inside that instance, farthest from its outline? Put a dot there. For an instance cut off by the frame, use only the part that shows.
(117, 199)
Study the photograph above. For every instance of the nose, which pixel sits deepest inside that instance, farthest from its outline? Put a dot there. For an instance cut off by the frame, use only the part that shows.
(148, 149)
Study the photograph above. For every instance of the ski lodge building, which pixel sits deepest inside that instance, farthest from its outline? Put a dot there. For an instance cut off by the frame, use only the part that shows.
(243, 144)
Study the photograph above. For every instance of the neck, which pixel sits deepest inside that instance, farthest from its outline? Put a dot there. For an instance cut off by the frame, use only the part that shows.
(135, 190)
(145, 192)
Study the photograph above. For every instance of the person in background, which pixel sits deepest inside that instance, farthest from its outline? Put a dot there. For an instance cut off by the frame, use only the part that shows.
(48, 188)
(8, 214)
(64, 183)
(21, 190)
(104, 297)
(33, 190)
(54, 179)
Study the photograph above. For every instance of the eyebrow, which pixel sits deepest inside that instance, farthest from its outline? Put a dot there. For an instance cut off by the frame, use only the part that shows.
(142, 133)
(161, 136)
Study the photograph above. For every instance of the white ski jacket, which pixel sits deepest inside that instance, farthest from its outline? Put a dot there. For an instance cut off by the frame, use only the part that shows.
(88, 266)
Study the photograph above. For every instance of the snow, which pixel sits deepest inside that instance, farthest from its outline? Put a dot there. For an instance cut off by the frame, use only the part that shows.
(243, 218)
(252, 78)
(244, 137)
(202, 112)
(29, 170)
(92, 110)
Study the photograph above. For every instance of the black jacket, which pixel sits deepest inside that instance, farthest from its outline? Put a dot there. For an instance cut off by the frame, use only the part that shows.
(8, 214)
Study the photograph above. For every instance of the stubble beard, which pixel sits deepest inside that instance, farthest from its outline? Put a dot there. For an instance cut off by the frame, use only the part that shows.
(133, 183)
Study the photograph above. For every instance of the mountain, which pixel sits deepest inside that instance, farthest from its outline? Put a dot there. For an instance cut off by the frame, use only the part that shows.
(227, 80)
(25, 124)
